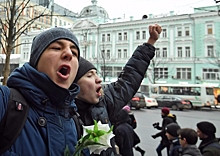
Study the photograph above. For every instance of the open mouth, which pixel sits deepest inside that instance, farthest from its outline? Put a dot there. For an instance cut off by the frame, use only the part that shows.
(64, 70)
(99, 91)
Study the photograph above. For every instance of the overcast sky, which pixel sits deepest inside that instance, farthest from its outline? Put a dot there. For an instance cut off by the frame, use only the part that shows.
(137, 8)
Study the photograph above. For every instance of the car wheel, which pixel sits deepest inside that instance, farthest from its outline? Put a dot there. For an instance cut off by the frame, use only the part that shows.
(191, 106)
(148, 107)
(174, 107)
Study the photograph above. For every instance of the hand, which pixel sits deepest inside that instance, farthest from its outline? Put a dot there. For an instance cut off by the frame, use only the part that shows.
(154, 31)
(156, 125)
(154, 136)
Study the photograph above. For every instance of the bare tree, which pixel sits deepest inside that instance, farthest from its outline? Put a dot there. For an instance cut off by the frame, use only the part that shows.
(12, 12)
(104, 61)
(158, 69)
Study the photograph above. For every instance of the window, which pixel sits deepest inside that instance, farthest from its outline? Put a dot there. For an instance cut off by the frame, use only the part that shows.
(108, 37)
(125, 36)
(179, 31)
(180, 52)
(184, 73)
(144, 35)
(55, 21)
(60, 23)
(117, 71)
(210, 51)
(106, 71)
(125, 53)
(210, 74)
(119, 53)
(137, 35)
(187, 50)
(164, 52)
(103, 37)
(209, 29)
(108, 55)
(161, 73)
(164, 33)
(186, 31)
(119, 36)
(157, 51)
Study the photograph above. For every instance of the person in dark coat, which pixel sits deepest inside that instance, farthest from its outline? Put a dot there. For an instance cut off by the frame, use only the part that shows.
(125, 137)
(167, 119)
(172, 136)
(209, 145)
(46, 84)
(132, 121)
(188, 139)
(94, 104)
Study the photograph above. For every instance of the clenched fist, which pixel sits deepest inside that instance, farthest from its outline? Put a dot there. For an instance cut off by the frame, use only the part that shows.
(154, 31)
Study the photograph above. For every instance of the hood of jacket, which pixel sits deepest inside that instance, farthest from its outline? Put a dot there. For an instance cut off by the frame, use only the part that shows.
(122, 117)
(38, 88)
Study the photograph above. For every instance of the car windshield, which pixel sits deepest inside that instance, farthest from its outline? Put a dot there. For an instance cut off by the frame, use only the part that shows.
(177, 98)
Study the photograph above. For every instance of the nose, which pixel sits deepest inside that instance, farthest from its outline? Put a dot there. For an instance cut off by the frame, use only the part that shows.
(98, 79)
(67, 54)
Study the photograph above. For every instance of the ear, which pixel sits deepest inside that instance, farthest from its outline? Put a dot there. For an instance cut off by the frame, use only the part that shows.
(184, 139)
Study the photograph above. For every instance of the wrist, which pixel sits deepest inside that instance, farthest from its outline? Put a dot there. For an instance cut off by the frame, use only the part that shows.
(151, 41)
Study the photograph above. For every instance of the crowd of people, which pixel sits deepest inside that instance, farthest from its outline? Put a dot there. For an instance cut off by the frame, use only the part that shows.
(182, 141)
(57, 81)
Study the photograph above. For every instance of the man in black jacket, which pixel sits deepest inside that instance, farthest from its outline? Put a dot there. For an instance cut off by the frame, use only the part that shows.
(167, 119)
(92, 104)
(209, 145)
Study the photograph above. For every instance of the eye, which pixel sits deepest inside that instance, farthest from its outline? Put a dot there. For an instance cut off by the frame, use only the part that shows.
(74, 53)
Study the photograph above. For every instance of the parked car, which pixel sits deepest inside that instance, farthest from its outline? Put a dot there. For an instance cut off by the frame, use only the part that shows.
(150, 102)
(138, 101)
(173, 102)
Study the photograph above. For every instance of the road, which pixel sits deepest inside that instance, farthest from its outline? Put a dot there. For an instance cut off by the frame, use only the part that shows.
(186, 118)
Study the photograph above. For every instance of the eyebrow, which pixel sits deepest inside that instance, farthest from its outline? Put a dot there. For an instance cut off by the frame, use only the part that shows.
(61, 43)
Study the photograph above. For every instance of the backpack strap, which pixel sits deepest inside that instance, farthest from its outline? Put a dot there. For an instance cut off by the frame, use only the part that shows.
(78, 122)
(13, 121)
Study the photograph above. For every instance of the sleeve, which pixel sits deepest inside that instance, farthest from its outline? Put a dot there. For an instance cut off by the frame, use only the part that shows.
(4, 94)
(119, 93)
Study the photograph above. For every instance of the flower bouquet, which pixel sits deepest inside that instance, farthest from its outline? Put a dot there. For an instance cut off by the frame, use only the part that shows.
(96, 138)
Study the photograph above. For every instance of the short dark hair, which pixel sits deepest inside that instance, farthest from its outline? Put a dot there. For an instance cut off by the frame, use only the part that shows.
(189, 134)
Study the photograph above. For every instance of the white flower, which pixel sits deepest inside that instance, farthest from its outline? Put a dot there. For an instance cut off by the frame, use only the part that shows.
(104, 138)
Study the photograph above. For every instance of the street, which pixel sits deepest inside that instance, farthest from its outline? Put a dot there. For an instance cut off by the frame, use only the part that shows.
(186, 118)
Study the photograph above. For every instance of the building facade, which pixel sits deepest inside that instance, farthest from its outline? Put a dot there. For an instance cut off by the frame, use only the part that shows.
(188, 50)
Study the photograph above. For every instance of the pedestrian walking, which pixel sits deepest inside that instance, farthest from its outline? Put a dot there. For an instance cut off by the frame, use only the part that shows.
(188, 139)
(172, 136)
(132, 121)
(167, 119)
(209, 145)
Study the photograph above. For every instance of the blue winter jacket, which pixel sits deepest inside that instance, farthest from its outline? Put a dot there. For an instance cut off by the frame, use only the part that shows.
(46, 99)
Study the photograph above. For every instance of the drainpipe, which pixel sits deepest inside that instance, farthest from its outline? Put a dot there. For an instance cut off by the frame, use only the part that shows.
(194, 47)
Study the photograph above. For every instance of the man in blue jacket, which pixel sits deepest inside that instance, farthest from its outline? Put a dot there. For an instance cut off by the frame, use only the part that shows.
(92, 104)
(46, 84)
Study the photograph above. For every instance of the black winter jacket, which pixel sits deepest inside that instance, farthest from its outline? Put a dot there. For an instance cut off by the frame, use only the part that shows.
(119, 93)
(210, 150)
(125, 136)
(166, 120)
